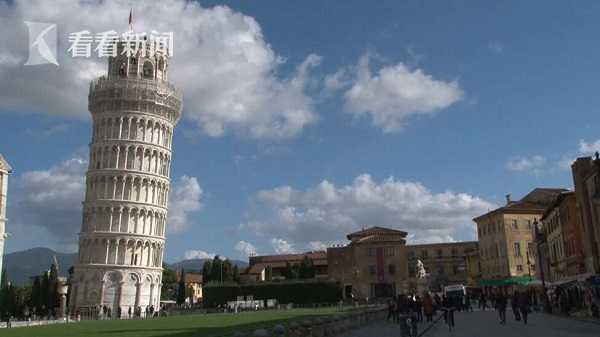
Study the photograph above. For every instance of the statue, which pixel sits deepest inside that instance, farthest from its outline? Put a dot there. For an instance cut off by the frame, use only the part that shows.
(421, 273)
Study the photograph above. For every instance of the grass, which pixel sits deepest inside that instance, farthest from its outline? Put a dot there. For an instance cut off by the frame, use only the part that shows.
(175, 326)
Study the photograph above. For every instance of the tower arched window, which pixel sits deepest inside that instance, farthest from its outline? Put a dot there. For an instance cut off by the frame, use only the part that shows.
(148, 70)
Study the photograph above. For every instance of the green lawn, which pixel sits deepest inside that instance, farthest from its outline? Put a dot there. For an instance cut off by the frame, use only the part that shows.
(176, 326)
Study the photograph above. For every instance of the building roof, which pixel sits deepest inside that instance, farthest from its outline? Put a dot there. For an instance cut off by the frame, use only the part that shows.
(375, 231)
(536, 201)
(4, 165)
(556, 203)
(291, 258)
(473, 244)
(190, 277)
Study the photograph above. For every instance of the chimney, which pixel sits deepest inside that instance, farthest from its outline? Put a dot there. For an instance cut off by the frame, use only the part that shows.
(508, 201)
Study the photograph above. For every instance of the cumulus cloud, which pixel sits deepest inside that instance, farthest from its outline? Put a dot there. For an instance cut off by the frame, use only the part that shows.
(198, 254)
(230, 75)
(326, 212)
(526, 163)
(393, 94)
(246, 249)
(586, 148)
(281, 246)
(185, 197)
(51, 199)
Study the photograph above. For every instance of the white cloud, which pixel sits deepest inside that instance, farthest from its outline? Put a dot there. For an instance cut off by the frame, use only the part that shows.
(230, 76)
(317, 245)
(246, 249)
(393, 94)
(526, 163)
(198, 254)
(326, 212)
(51, 199)
(185, 197)
(586, 148)
(496, 47)
(281, 246)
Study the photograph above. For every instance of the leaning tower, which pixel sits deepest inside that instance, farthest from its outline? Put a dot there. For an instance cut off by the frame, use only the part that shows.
(121, 243)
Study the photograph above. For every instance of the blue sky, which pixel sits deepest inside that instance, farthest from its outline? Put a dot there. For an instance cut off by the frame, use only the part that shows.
(525, 79)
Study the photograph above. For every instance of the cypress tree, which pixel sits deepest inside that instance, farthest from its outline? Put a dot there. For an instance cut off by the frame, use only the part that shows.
(206, 271)
(181, 288)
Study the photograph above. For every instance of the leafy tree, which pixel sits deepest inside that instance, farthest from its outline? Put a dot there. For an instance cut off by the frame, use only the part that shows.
(216, 269)
(269, 273)
(206, 271)
(288, 271)
(306, 270)
(181, 288)
(227, 271)
(236, 274)
(169, 284)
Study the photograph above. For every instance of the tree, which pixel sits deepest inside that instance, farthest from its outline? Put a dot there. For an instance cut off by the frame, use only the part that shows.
(181, 288)
(52, 294)
(269, 273)
(288, 272)
(216, 269)
(227, 271)
(236, 274)
(206, 271)
(306, 270)
(169, 284)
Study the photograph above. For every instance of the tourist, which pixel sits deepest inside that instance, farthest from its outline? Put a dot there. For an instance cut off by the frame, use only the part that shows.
(419, 308)
(482, 301)
(118, 312)
(428, 307)
(523, 305)
(129, 312)
(500, 304)
(390, 305)
(515, 305)
(448, 307)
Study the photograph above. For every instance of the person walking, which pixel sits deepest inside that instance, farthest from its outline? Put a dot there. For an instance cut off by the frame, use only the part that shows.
(428, 307)
(482, 301)
(500, 302)
(514, 304)
(390, 305)
(448, 307)
(524, 306)
(419, 308)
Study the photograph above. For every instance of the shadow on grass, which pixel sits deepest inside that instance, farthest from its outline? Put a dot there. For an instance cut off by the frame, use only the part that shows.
(209, 331)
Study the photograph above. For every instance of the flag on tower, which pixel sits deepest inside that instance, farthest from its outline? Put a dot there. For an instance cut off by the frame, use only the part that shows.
(130, 16)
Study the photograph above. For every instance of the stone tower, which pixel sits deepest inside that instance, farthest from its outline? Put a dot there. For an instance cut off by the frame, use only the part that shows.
(4, 171)
(121, 243)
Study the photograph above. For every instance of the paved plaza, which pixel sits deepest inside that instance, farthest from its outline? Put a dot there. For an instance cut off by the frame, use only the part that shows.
(478, 324)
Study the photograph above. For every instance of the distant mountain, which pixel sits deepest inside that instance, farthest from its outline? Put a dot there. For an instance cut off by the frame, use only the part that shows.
(196, 264)
(20, 266)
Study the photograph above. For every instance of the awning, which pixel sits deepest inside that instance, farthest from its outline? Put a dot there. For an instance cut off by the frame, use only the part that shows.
(516, 280)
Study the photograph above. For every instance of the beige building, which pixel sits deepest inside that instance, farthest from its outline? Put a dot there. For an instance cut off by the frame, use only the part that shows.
(444, 262)
(193, 285)
(5, 170)
(505, 235)
(373, 264)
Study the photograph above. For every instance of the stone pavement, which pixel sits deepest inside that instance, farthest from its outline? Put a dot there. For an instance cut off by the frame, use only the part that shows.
(486, 324)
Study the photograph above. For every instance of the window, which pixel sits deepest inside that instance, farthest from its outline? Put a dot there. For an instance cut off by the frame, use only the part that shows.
(371, 251)
(519, 267)
(454, 252)
(515, 225)
(411, 254)
(392, 268)
(440, 253)
(424, 254)
(517, 249)
(529, 224)
(372, 270)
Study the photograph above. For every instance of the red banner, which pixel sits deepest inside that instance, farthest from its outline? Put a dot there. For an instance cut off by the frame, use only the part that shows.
(380, 266)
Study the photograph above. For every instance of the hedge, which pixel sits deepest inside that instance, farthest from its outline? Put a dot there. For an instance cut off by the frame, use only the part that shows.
(297, 292)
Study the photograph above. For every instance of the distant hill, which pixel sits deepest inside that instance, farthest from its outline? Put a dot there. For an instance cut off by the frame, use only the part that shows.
(20, 266)
(196, 264)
